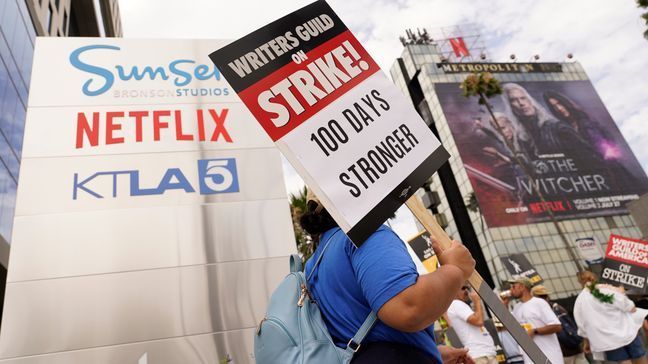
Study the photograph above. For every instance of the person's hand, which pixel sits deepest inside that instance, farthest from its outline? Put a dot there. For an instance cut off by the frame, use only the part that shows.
(505, 300)
(458, 255)
(586, 346)
(531, 333)
(450, 355)
(505, 297)
(474, 296)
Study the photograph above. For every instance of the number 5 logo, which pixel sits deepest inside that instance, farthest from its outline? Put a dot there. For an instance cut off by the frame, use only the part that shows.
(218, 176)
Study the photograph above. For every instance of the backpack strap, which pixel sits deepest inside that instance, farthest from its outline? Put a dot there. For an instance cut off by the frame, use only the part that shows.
(295, 263)
(354, 344)
(319, 259)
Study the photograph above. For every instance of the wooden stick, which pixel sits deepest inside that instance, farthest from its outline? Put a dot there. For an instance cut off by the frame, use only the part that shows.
(425, 217)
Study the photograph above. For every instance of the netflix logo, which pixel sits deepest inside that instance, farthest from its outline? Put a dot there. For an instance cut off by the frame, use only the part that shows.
(112, 127)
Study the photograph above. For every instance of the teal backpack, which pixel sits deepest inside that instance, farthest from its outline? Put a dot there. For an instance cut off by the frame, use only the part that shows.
(293, 330)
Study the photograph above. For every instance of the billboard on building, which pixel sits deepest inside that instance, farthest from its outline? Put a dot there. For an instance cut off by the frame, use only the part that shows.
(561, 133)
(152, 219)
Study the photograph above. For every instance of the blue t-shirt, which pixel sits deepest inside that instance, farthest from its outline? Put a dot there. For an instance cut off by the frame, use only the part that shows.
(350, 282)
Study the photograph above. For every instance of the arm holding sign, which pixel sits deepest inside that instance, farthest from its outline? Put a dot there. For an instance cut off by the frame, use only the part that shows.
(412, 310)
(477, 318)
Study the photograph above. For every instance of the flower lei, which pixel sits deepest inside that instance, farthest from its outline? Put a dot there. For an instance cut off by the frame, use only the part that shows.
(605, 298)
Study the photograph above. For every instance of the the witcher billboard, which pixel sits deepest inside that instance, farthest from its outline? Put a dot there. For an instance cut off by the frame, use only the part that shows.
(561, 133)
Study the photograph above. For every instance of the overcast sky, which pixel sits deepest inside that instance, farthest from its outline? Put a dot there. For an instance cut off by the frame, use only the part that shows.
(605, 36)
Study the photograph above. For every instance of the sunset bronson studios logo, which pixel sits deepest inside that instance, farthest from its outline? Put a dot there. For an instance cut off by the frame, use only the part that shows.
(121, 80)
(214, 176)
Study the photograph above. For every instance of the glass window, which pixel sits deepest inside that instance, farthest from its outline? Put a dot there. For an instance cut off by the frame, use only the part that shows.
(26, 19)
(8, 206)
(542, 271)
(8, 19)
(16, 137)
(557, 285)
(8, 158)
(16, 53)
(28, 56)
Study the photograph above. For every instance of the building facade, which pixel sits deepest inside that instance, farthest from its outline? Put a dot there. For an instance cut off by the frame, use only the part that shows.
(423, 73)
(75, 18)
(21, 21)
(639, 211)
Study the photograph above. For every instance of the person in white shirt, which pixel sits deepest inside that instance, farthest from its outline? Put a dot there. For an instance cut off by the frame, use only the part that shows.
(570, 342)
(609, 321)
(469, 326)
(538, 318)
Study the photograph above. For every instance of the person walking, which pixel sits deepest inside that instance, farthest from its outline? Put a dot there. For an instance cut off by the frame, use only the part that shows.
(538, 318)
(609, 321)
(570, 342)
(469, 326)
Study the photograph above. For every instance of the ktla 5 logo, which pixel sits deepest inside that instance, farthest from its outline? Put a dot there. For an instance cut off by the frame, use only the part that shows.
(214, 176)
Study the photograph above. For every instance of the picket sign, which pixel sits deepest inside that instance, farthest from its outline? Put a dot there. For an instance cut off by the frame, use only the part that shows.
(424, 216)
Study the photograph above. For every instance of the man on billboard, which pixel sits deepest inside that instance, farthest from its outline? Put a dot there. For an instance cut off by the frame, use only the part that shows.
(505, 162)
(537, 126)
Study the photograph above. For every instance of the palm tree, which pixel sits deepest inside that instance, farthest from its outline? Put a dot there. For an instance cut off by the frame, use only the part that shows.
(473, 205)
(298, 205)
(471, 202)
(644, 4)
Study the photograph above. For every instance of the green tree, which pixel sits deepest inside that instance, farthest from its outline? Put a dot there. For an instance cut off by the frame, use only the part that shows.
(644, 5)
(471, 202)
(298, 205)
(473, 205)
(484, 85)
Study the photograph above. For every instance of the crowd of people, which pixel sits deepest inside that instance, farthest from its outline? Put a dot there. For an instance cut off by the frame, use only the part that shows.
(380, 276)
(605, 326)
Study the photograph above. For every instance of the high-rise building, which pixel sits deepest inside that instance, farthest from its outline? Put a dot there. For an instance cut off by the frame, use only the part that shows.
(20, 22)
(561, 133)
(75, 18)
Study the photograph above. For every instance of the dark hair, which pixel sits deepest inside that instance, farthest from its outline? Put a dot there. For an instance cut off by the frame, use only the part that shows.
(574, 110)
(316, 223)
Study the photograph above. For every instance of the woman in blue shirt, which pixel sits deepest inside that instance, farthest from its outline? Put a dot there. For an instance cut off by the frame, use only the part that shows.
(350, 282)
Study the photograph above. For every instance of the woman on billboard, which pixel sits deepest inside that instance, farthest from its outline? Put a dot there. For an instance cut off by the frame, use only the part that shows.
(564, 109)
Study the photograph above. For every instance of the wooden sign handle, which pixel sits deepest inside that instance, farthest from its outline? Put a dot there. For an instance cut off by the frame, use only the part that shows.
(425, 217)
